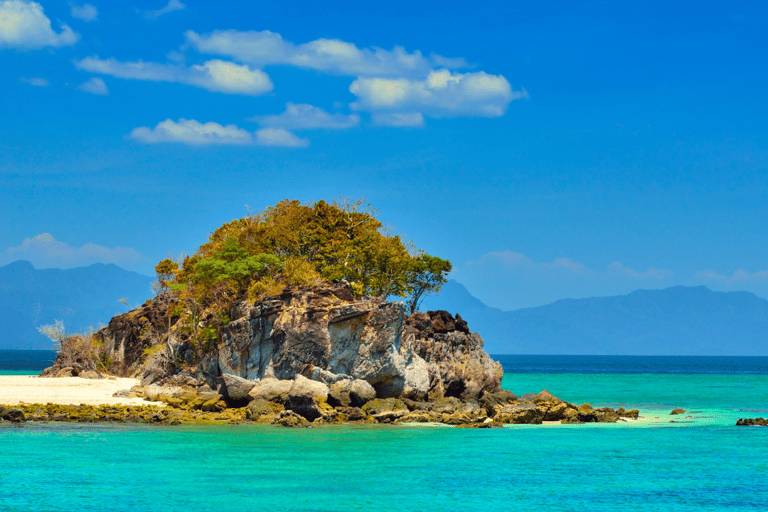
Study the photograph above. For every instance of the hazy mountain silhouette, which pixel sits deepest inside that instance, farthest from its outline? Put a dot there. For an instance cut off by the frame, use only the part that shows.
(675, 321)
(80, 297)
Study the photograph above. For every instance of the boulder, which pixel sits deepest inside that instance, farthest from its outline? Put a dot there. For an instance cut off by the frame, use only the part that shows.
(679, 410)
(545, 396)
(308, 398)
(491, 401)
(274, 390)
(14, 415)
(291, 419)
(237, 388)
(260, 408)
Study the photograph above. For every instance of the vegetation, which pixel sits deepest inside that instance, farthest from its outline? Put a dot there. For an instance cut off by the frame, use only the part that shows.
(293, 244)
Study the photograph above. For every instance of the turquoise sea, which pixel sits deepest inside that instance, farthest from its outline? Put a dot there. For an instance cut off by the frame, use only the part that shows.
(701, 463)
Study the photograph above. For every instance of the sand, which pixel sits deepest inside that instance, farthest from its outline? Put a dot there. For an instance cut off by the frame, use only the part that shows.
(15, 389)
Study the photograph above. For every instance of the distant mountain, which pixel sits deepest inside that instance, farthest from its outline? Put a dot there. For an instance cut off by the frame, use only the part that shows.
(80, 297)
(675, 321)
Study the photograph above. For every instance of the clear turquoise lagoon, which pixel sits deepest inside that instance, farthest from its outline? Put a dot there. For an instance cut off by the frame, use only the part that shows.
(702, 462)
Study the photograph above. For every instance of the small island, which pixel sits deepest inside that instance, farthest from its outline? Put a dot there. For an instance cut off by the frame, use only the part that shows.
(286, 318)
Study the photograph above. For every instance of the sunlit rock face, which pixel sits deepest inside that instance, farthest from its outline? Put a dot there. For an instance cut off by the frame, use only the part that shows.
(328, 335)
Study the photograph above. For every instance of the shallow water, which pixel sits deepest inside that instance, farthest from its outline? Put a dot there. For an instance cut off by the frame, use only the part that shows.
(703, 462)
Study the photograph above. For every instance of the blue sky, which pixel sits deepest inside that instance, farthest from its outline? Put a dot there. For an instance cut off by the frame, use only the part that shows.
(549, 150)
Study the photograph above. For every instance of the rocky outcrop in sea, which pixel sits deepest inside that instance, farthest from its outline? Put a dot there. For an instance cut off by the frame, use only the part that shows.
(317, 355)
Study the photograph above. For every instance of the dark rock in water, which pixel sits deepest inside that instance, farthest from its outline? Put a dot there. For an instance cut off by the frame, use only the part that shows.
(237, 388)
(521, 414)
(14, 415)
(679, 410)
(752, 422)
(380, 405)
(291, 419)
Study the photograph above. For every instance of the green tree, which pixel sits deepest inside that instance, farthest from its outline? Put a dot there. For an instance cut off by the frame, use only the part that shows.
(427, 274)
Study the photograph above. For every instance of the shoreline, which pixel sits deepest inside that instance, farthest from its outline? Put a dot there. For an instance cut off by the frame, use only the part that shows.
(31, 389)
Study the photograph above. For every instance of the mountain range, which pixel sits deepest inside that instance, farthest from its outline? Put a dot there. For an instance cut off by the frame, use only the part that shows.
(80, 297)
(674, 321)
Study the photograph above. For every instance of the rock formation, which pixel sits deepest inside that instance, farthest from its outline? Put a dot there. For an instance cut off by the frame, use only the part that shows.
(318, 354)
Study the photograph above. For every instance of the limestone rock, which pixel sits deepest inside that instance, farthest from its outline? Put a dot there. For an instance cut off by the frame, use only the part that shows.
(306, 397)
(237, 388)
(273, 390)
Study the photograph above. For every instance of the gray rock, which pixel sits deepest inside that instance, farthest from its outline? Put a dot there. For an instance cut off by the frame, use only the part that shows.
(306, 397)
(237, 388)
(274, 390)
(360, 393)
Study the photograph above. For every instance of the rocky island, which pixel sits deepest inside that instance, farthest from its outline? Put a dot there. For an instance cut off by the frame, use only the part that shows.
(283, 319)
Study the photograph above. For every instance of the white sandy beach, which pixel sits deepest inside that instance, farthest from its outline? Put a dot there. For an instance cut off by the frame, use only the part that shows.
(31, 389)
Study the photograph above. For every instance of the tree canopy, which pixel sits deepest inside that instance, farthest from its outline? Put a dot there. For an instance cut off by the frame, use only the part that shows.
(293, 244)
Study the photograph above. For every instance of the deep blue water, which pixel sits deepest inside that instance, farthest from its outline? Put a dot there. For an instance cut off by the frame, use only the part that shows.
(679, 365)
(701, 462)
(33, 361)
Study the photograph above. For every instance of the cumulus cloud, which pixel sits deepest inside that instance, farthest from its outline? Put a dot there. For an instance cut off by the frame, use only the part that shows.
(24, 26)
(94, 86)
(213, 75)
(279, 137)
(441, 94)
(328, 55)
(194, 133)
(44, 251)
(36, 82)
(189, 131)
(307, 117)
(173, 5)
(85, 12)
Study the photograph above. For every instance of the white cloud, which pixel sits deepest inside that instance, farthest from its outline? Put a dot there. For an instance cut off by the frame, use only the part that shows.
(279, 137)
(37, 82)
(328, 55)
(189, 131)
(94, 86)
(739, 276)
(213, 75)
(441, 94)
(398, 119)
(85, 12)
(307, 117)
(24, 26)
(173, 5)
(44, 251)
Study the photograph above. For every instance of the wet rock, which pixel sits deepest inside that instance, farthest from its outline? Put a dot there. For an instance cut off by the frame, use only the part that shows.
(14, 415)
(752, 422)
(678, 410)
(291, 419)
(520, 414)
(260, 408)
(380, 405)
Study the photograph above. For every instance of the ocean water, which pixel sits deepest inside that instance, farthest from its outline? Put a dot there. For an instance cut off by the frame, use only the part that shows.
(702, 462)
